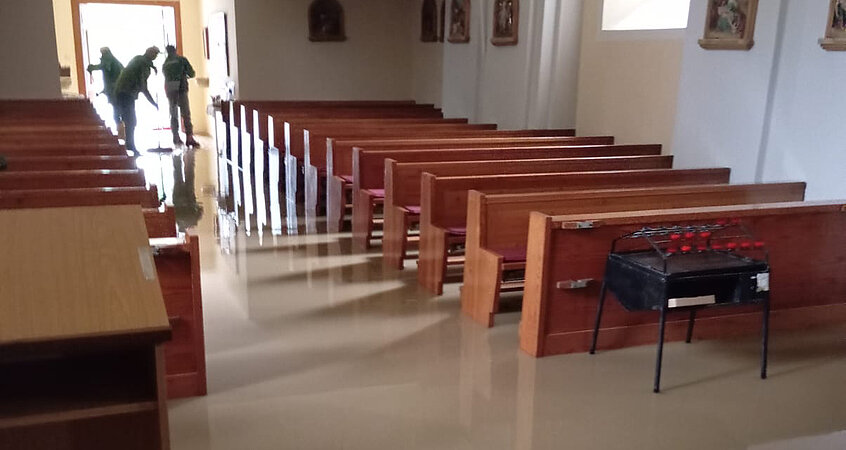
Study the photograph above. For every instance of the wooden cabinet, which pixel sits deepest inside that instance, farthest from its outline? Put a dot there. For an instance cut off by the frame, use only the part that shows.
(82, 323)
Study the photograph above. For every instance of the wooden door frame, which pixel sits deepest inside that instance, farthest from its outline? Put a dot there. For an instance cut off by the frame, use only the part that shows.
(77, 29)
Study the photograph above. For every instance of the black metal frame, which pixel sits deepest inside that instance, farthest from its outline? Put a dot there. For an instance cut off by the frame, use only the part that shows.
(649, 234)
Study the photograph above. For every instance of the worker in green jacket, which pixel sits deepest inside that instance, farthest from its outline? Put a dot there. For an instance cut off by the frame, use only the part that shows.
(111, 69)
(131, 82)
(177, 70)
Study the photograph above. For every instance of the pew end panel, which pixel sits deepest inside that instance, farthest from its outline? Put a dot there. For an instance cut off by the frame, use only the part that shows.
(482, 276)
(803, 295)
(511, 212)
(178, 267)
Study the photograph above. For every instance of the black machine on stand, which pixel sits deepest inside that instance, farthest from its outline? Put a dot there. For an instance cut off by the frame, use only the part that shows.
(687, 268)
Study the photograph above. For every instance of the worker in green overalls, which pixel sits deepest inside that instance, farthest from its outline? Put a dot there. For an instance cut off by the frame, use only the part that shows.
(111, 69)
(177, 70)
(131, 82)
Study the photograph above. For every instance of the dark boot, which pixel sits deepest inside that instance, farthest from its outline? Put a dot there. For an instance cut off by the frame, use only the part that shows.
(189, 141)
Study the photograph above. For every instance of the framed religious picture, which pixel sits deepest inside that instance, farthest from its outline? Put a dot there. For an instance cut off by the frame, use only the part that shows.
(505, 21)
(729, 25)
(459, 21)
(429, 21)
(326, 21)
(835, 30)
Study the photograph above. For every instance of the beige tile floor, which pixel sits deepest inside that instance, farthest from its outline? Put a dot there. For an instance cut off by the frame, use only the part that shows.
(311, 346)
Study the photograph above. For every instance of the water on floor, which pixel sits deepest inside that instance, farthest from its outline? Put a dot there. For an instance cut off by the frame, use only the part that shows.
(313, 346)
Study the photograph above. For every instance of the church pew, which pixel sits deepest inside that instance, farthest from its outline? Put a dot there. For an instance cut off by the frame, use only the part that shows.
(48, 112)
(339, 159)
(318, 163)
(36, 137)
(443, 203)
(231, 110)
(59, 149)
(293, 161)
(160, 224)
(807, 287)
(178, 269)
(18, 163)
(246, 117)
(49, 198)
(316, 139)
(316, 174)
(61, 127)
(70, 179)
(370, 172)
(498, 226)
(402, 187)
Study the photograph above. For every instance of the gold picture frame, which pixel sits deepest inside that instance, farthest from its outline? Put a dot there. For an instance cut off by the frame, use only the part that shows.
(835, 29)
(730, 25)
(506, 22)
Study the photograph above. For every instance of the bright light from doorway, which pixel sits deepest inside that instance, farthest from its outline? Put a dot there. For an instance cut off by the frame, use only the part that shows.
(621, 15)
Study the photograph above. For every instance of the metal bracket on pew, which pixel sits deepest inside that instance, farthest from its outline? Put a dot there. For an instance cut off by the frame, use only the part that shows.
(574, 284)
(580, 225)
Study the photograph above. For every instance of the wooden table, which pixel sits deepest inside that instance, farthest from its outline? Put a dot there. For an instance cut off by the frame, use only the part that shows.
(82, 321)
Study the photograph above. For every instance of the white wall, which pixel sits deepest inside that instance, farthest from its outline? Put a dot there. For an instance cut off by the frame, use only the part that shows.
(773, 113)
(628, 81)
(807, 136)
(723, 97)
(28, 50)
(207, 8)
(532, 84)
(277, 61)
(427, 62)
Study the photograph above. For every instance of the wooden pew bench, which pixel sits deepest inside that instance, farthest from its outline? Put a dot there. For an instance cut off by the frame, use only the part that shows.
(498, 226)
(807, 287)
(70, 179)
(443, 203)
(340, 176)
(60, 149)
(402, 187)
(230, 111)
(85, 162)
(46, 198)
(343, 141)
(317, 140)
(247, 118)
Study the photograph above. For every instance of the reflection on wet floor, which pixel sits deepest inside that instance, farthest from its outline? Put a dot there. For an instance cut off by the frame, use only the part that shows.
(311, 345)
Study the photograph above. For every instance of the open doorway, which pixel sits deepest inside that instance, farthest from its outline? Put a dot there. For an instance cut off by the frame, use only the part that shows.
(127, 28)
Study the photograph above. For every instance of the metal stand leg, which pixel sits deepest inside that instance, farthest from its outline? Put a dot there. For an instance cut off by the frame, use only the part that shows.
(602, 292)
(657, 382)
(690, 322)
(765, 337)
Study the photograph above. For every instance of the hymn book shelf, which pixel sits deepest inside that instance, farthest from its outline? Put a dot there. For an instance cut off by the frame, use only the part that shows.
(82, 321)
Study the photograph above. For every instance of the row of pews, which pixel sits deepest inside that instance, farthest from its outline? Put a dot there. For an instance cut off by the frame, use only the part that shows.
(59, 154)
(531, 211)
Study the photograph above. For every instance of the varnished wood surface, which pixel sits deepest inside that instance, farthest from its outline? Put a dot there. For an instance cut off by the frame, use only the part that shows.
(402, 184)
(69, 273)
(498, 224)
(51, 198)
(805, 245)
(70, 179)
(443, 201)
(340, 162)
(448, 150)
(19, 163)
